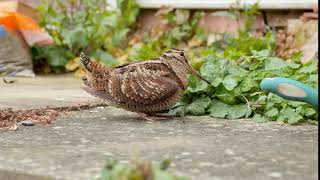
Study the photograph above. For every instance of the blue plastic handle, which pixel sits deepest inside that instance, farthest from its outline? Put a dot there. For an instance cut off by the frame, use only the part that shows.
(2, 31)
(291, 90)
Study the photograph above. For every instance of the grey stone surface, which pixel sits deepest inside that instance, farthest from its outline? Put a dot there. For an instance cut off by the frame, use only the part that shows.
(54, 91)
(76, 146)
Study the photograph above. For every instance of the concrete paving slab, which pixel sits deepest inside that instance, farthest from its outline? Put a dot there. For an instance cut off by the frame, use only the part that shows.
(53, 91)
(76, 147)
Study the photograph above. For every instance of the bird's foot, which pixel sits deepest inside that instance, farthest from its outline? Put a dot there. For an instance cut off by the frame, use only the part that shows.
(155, 117)
(168, 116)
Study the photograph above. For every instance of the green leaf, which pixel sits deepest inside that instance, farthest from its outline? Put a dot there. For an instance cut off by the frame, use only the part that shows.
(218, 109)
(309, 112)
(294, 65)
(57, 56)
(216, 82)
(273, 98)
(274, 63)
(237, 71)
(262, 53)
(104, 57)
(229, 83)
(119, 36)
(194, 85)
(237, 111)
(165, 164)
(213, 69)
(75, 38)
(129, 10)
(259, 118)
(249, 112)
(199, 106)
(313, 78)
(225, 96)
(296, 103)
(262, 99)
(178, 111)
(310, 68)
(272, 113)
(224, 14)
(289, 115)
(247, 84)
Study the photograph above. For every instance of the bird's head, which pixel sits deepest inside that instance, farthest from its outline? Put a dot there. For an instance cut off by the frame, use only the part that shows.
(175, 55)
(179, 55)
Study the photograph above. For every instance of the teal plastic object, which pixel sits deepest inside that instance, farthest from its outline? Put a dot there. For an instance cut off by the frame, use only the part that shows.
(291, 90)
(2, 31)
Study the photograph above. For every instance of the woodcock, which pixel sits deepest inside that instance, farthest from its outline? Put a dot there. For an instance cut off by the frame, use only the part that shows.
(145, 87)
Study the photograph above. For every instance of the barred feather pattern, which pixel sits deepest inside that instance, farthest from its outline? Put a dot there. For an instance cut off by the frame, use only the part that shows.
(147, 86)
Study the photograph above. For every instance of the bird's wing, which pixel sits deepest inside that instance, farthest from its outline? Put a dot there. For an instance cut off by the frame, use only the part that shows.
(146, 83)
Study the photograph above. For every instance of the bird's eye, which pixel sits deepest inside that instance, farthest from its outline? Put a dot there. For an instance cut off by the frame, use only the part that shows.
(181, 54)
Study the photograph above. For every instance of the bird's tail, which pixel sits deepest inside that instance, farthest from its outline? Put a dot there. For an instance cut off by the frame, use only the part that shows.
(92, 66)
(85, 60)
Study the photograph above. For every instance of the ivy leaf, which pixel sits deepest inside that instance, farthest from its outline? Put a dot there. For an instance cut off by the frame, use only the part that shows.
(274, 63)
(237, 71)
(313, 78)
(218, 109)
(259, 118)
(272, 113)
(262, 53)
(262, 99)
(216, 82)
(237, 111)
(296, 103)
(247, 84)
(213, 70)
(225, 96)
(294, 65)
(194, 85)
(199, 106)
(309, 112)
(179, 109)
(229, 83)
(310, 68)
(289, 115)
(273, 98)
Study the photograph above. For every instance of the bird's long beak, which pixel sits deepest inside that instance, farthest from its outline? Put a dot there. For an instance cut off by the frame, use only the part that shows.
(194, 72)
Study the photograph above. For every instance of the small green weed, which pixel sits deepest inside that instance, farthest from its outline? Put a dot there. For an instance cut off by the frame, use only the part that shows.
(139, 170)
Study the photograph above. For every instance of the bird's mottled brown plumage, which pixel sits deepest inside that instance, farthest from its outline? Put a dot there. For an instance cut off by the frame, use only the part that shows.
(145, 87)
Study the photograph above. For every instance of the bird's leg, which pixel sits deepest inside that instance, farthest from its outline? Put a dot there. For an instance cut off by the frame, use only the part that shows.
(145, 116)
(167, 116)
(153, 117)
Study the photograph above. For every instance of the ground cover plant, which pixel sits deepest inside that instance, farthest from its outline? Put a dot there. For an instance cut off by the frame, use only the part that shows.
(139, 170)
(235, 64)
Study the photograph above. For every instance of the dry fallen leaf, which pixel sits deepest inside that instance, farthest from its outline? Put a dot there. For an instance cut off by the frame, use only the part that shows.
(8, 81)
(80, 72)
(14, 127)
(73, 64)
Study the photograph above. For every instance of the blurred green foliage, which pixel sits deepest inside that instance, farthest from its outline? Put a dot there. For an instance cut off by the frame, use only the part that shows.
(139, 170)
(84, 25)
